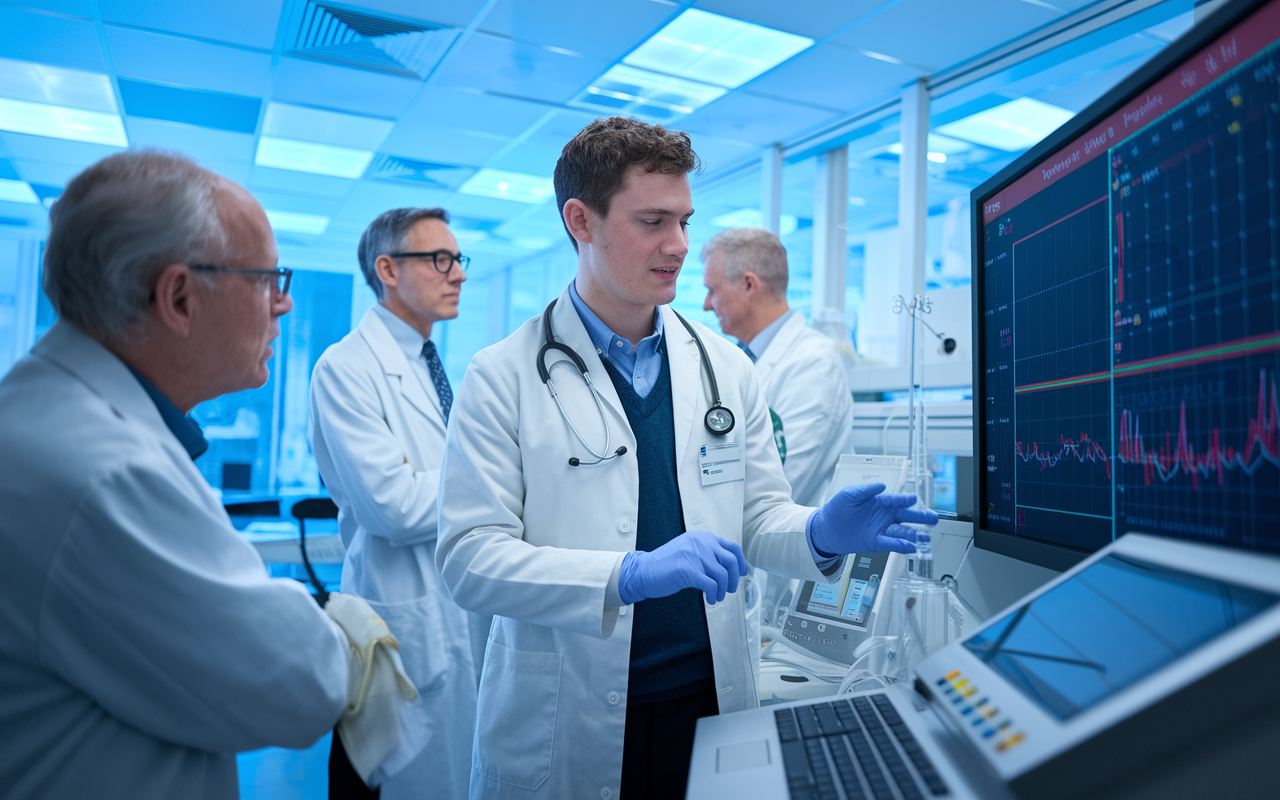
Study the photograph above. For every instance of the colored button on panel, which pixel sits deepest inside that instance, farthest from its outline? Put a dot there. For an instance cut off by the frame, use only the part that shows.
(952, 674)
(967, 710)
(970, 692)
(942, 681)
(960, 684)
(990, 712)
(1010, 743)
(988, 733)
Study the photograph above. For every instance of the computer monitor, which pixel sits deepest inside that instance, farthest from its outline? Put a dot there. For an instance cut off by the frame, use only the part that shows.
(1127, 310)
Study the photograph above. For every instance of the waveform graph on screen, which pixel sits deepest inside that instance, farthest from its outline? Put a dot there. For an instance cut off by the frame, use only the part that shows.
(1062, 358)
(1196, 315)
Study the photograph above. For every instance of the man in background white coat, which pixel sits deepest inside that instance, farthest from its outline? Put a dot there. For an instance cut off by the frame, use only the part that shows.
(141, 641)
(380, 404)
(801, 374)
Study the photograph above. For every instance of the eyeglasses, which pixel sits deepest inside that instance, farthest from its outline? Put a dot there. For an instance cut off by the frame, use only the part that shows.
(283, 275)
(441, 259)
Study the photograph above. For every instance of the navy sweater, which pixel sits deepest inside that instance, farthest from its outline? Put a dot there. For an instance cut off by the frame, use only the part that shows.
(670, 648)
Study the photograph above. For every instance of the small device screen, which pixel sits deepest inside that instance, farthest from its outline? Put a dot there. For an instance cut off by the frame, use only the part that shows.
(1108, 627)
(850, 599)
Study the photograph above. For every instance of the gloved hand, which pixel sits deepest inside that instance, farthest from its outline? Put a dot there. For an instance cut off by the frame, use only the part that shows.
(861, 519)
(694, 559)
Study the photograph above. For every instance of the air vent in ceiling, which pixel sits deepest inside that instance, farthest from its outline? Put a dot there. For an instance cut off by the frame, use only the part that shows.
(419, 173)
(360, 39)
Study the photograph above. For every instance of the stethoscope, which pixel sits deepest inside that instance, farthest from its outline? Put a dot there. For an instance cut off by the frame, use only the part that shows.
(719, 419)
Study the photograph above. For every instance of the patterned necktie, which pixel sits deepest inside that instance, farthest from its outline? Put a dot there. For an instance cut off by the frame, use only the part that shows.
(747, 350)
(438, 378)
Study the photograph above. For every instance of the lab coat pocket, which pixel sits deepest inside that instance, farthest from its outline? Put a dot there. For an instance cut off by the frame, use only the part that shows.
(516, 718)
(419, 627)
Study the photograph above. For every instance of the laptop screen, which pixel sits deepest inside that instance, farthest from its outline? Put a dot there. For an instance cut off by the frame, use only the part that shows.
(1108, 627)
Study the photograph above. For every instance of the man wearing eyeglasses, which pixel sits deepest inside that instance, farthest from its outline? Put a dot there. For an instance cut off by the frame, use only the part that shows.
(380, 403)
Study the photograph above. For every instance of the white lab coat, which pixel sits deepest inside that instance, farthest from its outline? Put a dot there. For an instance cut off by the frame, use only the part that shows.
(369, 413)
(141, 641)
(527, 537)
(804, 382)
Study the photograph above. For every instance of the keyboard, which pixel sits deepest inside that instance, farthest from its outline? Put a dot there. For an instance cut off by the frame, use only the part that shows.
(851, 744)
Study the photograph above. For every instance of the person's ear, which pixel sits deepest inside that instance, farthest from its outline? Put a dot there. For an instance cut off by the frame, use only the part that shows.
(388, 270)
(578, 219)
(751, 282)
(174, 299)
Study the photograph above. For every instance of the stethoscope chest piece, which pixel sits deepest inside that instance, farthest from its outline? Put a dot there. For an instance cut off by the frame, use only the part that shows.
(719, 420)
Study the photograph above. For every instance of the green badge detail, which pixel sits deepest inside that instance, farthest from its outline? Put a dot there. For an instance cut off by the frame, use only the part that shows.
(778, 438)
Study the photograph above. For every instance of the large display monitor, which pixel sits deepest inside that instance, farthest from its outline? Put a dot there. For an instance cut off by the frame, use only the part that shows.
(1127, 310)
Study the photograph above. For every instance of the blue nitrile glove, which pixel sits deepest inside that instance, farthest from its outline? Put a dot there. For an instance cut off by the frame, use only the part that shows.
(694, 559)
(862, 519)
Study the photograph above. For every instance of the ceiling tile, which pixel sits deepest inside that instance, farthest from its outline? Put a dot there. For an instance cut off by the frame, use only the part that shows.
(605, 36)
(504, 66)
(248, 22)
(73, 8)
(834, 78)
(442, 146)
(231, 170)
(538, 153)
(717, 152)
(814, 18)
(277, 201)
(50, 174)
(751, 119)
(50, 40)
(441, 106)
(463, 205)
(368, 199)
(896, 32)
(199, 143)
(330, 86)
(54, 151)
(305, 183)
(229, 112)
(183, 62)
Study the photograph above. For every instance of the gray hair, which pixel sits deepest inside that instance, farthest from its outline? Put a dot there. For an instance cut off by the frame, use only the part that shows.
(388, 234)
(751, 250)
(117, 226)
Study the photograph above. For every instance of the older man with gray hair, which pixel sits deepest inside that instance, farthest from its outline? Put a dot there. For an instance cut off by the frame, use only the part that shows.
(142, 643)
(380, 402)
(801, 373)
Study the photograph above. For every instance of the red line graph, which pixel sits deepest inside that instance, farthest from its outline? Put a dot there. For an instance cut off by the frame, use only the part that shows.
(1262, 444)
(1082, 449)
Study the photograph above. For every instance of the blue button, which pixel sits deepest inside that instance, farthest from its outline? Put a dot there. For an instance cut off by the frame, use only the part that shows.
(942, 681)
(967, 710)
(988, 733)
(978, 721)
(958, 700)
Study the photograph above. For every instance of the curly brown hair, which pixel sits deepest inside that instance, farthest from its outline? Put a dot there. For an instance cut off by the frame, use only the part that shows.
(594, 164)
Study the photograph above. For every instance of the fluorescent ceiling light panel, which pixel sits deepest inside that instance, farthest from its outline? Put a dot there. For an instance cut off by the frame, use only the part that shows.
(327, 127)
(750, 218)
(532, 244)
(41, 83)
(61, 122)
(627, 90)
(938, 144)
(295, 222)
(717, 50)
(509, 186)
(469, 237)
(321, 159)
(1011, 127)
(17, 192)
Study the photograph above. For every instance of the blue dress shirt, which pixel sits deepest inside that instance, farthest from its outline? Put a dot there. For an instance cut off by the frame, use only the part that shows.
(762, 339)
(639, 364)
(183, 427)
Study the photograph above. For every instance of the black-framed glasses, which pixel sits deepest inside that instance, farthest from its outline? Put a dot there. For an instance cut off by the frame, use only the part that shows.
(283, 275)
(441, 259)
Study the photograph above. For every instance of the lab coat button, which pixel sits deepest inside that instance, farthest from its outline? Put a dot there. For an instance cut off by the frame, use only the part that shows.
(606, 793)
(624, 527)
(613, 698)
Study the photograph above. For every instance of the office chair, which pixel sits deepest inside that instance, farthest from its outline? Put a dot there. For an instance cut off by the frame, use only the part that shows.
(313, 508)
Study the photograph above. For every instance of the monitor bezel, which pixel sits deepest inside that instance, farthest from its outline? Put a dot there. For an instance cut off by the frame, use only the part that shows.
(1033, 551)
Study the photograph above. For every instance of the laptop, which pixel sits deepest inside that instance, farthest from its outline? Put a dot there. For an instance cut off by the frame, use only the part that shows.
(1150, 663)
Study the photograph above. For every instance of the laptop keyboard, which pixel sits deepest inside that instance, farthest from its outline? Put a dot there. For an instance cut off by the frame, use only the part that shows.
(848, 742)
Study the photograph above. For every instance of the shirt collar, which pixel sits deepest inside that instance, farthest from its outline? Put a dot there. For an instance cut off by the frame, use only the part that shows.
(183, 427)
(605, 340)
(762, 339)
(405, 335)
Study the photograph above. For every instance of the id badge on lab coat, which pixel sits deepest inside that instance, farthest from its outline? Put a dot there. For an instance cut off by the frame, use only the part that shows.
(720, 463)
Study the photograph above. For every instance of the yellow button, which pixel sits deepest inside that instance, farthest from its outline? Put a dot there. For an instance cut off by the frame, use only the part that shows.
(972, 690)
(960, 684)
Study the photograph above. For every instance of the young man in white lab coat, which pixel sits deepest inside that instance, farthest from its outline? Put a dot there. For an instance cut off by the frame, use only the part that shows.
(801, 374)
(607, 532)
(141, 641)
(380, 403)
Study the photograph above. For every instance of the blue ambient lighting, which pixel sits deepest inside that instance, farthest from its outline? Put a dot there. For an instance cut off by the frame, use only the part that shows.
(41, 83)
(60, 122)
(295, 222)
(286, 121)
(509, 186)
(17, 192)
(717, 50)
(321, 159)
(750, 218)
(1012, 126)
